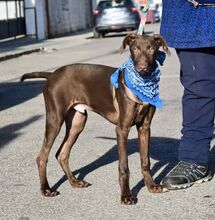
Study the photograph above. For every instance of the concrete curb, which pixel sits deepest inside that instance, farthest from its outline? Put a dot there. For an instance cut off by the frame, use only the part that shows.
(18, 54)
(27, 46)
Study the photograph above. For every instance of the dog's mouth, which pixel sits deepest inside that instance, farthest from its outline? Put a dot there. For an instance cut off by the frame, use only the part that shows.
(142, 69)
(145, 68)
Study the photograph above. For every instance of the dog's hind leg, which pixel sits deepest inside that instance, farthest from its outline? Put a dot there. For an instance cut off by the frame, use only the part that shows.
(53, 125)
(54, 119)
(75, 122)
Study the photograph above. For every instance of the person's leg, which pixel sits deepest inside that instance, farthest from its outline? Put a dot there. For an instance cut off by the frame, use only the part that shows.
(198, 103)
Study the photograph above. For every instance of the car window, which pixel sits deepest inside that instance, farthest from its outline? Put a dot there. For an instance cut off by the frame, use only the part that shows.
(115, 4)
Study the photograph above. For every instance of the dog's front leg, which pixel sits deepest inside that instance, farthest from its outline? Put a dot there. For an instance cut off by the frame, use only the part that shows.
(144, 139)
(127, 113)
(126, 197)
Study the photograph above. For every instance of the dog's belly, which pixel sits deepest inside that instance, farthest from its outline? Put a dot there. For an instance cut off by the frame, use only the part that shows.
(82, 108)
(111, 115)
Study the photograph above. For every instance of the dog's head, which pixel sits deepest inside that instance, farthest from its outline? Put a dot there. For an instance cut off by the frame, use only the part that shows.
(144, 50)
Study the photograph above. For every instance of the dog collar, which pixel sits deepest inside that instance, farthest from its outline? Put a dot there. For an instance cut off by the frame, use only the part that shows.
(144, 86)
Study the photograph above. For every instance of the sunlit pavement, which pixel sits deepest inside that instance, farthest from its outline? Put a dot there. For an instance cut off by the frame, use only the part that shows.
(94, 156)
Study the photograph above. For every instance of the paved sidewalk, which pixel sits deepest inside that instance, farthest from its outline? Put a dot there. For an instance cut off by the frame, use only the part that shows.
(26, 45)
(94, 156)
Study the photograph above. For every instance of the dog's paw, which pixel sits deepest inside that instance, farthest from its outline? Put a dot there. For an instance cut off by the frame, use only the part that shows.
(80, 184)
(49, 193)
(128, 200)
(157, 189)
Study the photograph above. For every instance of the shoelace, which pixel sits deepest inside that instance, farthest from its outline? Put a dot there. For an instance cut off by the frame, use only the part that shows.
(196, 4)
(192, 171)
(180, 168)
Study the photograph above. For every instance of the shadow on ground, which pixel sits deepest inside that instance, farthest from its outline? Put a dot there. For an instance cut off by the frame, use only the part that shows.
(15, 93)
(12, 44)
(12, 131)
(163, 150)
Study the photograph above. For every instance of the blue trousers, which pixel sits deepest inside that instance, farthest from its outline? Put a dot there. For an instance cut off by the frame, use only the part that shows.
(197, 76)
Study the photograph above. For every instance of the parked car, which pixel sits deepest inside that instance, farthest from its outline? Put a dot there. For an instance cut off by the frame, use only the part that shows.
(154, 13)
(157, 16)
(153, 16)
(115, 16)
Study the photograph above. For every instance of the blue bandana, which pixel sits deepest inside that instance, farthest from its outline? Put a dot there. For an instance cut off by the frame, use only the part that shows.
(144, 86)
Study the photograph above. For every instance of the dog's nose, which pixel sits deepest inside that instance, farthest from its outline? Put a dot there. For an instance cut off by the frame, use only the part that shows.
(142, 69)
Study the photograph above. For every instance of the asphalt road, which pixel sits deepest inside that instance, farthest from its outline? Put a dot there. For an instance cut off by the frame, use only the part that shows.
(94, 156)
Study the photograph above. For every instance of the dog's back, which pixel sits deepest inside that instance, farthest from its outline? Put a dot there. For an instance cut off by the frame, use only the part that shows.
(79, 83)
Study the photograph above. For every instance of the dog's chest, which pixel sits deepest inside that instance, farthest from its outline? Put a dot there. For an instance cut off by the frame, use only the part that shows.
(142, 111)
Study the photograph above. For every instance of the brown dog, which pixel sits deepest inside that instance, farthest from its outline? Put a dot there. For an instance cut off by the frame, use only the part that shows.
(73, 89)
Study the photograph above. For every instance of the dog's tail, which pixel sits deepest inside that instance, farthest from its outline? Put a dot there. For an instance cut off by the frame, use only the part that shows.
(35, 75)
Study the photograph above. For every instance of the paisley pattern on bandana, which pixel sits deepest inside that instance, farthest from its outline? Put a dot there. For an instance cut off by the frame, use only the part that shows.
(145, 86)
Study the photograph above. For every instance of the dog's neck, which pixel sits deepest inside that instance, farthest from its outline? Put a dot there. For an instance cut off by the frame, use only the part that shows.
(144, 86)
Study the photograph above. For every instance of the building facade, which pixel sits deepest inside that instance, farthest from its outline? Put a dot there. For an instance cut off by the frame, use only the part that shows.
(44, 18)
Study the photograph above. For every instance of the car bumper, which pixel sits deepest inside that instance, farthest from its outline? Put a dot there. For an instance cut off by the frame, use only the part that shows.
(115, 28)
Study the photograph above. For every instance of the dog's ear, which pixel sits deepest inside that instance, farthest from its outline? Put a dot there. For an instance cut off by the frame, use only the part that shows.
(161, 43)
(127, 41)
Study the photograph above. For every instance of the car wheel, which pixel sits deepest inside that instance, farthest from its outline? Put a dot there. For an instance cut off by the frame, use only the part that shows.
(96, 33)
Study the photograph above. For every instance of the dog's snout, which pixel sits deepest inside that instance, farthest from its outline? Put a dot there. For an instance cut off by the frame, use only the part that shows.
(141, 64)
(142, 68)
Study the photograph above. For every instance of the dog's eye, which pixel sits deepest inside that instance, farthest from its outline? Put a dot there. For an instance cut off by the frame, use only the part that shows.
(136, 48)
(151, 49)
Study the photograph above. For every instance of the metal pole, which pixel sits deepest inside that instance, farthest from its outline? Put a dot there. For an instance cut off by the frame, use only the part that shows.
(144, 12)
(8, 27)
(17, 22)
(47, 18)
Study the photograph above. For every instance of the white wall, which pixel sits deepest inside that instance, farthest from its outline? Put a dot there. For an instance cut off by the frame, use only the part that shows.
(41, 19)
(30, 18)
(35, 18)
(67, 16)
(12, 13)
(3, 12)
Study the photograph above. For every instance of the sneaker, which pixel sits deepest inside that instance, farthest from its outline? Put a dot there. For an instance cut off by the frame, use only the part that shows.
(184, 175)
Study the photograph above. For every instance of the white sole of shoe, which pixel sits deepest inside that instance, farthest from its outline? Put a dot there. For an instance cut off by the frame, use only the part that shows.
(187, 185)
